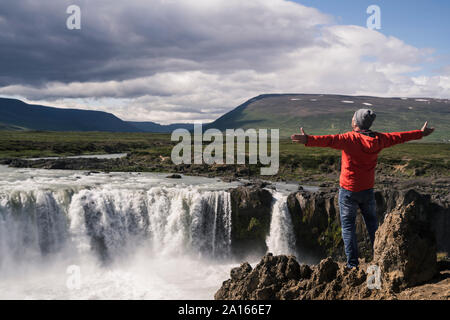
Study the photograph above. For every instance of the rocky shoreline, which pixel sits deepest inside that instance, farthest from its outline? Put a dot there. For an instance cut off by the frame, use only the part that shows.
(424, 179)
(316, 223)
(404, 266)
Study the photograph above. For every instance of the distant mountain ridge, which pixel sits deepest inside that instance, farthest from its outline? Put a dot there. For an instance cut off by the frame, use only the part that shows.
(317, 113)
(18, 115)
(332, 114)
(160, 128)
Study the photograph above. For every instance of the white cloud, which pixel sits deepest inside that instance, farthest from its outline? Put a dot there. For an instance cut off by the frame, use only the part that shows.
(185, 60)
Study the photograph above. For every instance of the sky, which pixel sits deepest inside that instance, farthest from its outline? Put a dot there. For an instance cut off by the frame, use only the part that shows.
(194, 60)
(421, 23)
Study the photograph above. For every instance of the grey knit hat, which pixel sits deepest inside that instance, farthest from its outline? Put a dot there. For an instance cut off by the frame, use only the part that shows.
(364, 118)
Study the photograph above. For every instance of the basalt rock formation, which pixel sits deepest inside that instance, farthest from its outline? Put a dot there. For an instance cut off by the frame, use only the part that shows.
(405, 246)
(405, 256)
(315, 218)
(316, 223)
(251, 212)
(283, 278)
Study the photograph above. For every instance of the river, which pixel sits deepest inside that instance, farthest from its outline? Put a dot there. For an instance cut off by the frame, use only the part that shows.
(80, 235)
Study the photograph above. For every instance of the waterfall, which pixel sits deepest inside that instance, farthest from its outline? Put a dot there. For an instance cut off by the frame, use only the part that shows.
(111, 222)
(31, 224)
(281, 238)
(108, 222)
(129, 235)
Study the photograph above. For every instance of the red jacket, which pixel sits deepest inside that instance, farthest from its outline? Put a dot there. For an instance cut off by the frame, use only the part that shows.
(360, 154)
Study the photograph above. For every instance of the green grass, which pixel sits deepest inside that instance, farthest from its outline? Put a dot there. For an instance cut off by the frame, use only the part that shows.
(296, 160)
(407, 160)
(48, 143)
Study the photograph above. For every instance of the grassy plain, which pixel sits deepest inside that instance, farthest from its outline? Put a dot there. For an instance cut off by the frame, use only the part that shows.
(147, 149)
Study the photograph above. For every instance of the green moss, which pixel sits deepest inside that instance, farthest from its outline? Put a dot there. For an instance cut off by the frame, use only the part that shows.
(331, 238)
(442, 256)
(255, 227)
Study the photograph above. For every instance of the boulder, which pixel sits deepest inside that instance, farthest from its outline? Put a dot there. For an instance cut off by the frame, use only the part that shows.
(327, 270)
(264, 282)
(281, 277)
(241, 272)
(174, 176)
(405, 246)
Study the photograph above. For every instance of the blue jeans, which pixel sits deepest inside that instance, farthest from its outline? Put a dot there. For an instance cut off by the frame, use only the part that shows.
(348, 205)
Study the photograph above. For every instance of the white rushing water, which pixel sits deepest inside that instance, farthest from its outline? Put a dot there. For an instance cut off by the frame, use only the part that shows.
(89, 156)
(281, 238)
(75, 235)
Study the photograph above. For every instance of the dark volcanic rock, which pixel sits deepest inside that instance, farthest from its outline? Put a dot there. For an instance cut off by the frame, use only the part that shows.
(251, 213)
(263, 282)
(259, 184)
(6, 161)
(281, 277)
(67, 163)
(405, 246)
(174, 176)
(305, 271)
(326, 271)
(241, 272)
(316, 222)
(405, 253)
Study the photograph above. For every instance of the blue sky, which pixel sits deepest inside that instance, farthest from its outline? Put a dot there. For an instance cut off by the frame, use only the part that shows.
(421, 23)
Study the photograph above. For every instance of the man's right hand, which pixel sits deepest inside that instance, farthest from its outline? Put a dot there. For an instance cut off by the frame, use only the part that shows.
(426, 131)
(300, 138)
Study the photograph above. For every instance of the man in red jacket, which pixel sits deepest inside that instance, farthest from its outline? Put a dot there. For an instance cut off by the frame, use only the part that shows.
(360, 149)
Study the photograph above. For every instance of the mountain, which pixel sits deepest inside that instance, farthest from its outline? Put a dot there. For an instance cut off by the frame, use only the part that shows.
(18, 115)
(331, 114)
(317, 113)
(156, 127)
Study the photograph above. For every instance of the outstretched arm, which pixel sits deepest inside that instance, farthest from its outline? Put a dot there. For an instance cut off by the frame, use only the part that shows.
(336, 141)
(393, 138)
